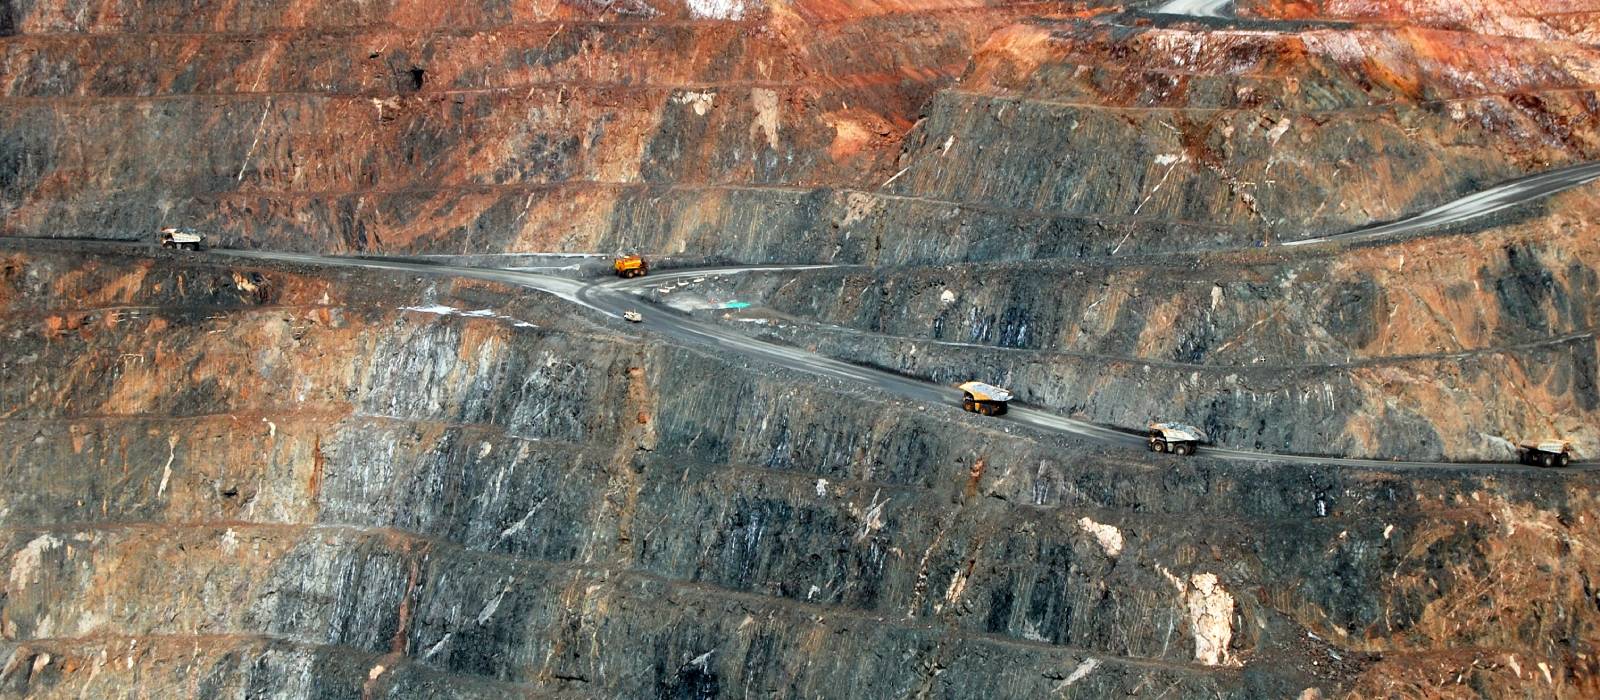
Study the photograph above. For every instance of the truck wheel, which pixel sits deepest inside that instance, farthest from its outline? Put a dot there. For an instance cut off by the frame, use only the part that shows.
(1158, 445)
(1547, 461)
(1182, 449)
(1562, 460)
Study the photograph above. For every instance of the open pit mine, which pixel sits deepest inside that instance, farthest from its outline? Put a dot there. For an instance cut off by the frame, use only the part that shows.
(800, 349)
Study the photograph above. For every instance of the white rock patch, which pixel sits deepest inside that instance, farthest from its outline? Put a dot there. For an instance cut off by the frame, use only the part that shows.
(25, 563)
(700, 102)
(716, 9)
(858, 206)
(1279, 130)
(766, 103)
(1082, 670)
(1109, 536)
(1210, 616)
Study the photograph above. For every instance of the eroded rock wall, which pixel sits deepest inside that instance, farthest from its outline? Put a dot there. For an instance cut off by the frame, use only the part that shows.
(1434, 347)
(558, 508)
(411, 127)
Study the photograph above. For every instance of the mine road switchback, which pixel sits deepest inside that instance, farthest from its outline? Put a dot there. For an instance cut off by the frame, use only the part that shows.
(610, 297)
(607, 299)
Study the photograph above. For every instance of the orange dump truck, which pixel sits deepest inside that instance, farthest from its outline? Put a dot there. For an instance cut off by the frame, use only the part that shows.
(630, 266)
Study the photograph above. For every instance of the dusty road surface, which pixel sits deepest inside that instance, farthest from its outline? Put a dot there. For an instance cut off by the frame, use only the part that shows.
(609, 297)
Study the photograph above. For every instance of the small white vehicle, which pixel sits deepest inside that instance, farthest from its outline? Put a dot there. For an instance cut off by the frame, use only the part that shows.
(182, 239)
(1175, 438)
(1545, 453)
(633, 316)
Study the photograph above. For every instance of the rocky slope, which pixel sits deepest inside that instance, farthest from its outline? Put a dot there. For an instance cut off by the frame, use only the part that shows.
(408, 127)
(1174, 157)
(514, 501)
(255, 480)
(1432, 348)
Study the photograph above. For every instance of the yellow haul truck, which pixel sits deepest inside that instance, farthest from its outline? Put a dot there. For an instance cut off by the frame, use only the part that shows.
(984, 399)
(630, 266)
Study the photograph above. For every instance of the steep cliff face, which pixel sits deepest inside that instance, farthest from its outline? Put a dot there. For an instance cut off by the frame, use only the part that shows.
(511, 500)
(458, 127)
(1429, 348)
(1534, 19)
(261, 480)
(1175, 158)
(796, 131)
(1177, 138)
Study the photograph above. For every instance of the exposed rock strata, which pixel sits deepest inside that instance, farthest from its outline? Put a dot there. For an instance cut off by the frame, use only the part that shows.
(255, 480)
(563, 491)
(1433, 347)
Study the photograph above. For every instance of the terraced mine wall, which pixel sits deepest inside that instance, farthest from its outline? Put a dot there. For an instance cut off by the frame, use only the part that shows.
(404, 127)
(787, 133)
(510, 499)
(239, 480)
(1556, 19)
(1434, 347)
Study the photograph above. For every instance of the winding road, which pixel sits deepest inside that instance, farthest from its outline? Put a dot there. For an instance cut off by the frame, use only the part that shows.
(1496, 199)
(611, 297)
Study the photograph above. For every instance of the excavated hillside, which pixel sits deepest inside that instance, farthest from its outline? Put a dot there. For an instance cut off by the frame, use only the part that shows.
(227, 477)
(437, 127)
(1436, 347)
(1113, 195)
(225, 480)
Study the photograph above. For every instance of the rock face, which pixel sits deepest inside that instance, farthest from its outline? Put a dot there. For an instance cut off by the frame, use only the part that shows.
(241, 480)
(400, 126)
(1430, 348)
(521, 502)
